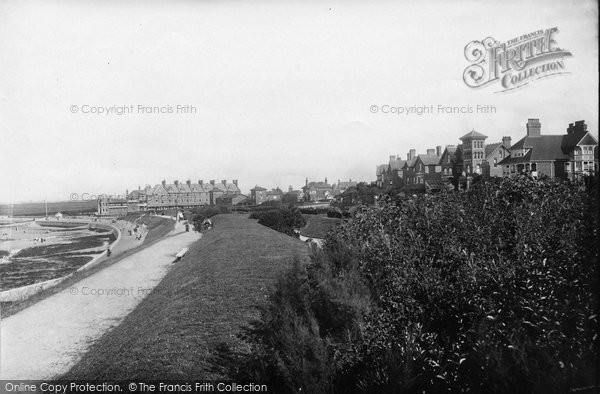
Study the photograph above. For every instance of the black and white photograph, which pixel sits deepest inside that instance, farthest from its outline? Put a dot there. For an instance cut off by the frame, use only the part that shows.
(219, 196)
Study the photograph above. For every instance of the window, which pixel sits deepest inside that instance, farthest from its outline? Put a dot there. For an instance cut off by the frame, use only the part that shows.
(495, 162)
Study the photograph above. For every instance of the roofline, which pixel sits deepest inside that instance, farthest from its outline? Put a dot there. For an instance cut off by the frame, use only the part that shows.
(585, 135)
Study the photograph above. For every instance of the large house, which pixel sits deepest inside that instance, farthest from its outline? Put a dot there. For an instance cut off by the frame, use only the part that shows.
(319, 191)
(179, 195)
(451, 163)
(393, 173)
(258, 195)
(494, 154)
(473, 152)
(554, 155)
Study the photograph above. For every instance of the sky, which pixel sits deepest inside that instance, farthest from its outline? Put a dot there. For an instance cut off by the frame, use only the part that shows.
(277, 92)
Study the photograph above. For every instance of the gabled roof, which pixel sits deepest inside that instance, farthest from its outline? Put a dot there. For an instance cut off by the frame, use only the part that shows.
(588, 139)
(473, 134)
(198, 188)
(319, 185)
(429, 160)
(490, 148)
(158, 189)
(571, 139)
(185, 188)
(346, 185)
(232, 187)
(516, 160)
(450, 151)
(543, 147)
(410, 163)
(395, 164)
(220, 186)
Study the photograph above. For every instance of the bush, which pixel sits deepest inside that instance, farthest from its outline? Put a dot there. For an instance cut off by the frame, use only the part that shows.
(285, 220)
(491, 290)
(199, 215)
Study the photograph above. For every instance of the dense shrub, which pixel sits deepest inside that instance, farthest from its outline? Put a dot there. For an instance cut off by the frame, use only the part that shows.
(199, 215)
(285, 220)
(493, 290)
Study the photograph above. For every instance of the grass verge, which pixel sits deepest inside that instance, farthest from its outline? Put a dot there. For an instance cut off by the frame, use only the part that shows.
(201, 303)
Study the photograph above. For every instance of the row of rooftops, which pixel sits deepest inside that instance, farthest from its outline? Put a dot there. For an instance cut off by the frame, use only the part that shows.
(188, 187)
(340, 185)
(540, 147)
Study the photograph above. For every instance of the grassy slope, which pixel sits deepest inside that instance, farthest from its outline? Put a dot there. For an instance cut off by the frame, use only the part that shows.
(203, 301)
(158, 227)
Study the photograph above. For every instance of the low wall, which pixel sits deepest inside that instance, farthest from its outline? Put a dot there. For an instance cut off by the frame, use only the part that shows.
(24, 292)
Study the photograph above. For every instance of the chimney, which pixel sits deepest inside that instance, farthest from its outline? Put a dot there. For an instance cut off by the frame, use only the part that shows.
(338, 183)
(212, 182)
(188, 182)
(325, 179)
(235, 182)
(392, 157)
(534, 128)
(506, 141)
(578, 126)
(431, 151)
(408, 157)
(176, 182)
(290, 189)
(413, 154)
(306, 182)
(438, 150)
(224, 182)
(164, 183)
(200, 182)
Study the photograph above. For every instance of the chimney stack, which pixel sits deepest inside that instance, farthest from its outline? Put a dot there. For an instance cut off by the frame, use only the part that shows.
(506, 141)
(392, 157)
(578, 126)
(306, 182)
(325, 179)
(188, 182)
(534, 128)
(212, 182)
(413, 154)
(176, 182)
(164, 183)
(235, 182)
(438, 150)
(431, 151)
(224, 182)
(200, 182)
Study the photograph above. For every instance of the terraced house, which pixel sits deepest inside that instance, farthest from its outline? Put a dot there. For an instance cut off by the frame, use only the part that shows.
(182, 195)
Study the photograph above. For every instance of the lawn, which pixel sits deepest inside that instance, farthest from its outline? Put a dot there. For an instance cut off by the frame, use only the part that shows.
(317, 226)
(202, 302)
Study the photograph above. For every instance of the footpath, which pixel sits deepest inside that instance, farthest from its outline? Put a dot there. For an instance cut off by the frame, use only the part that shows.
(46, 339)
